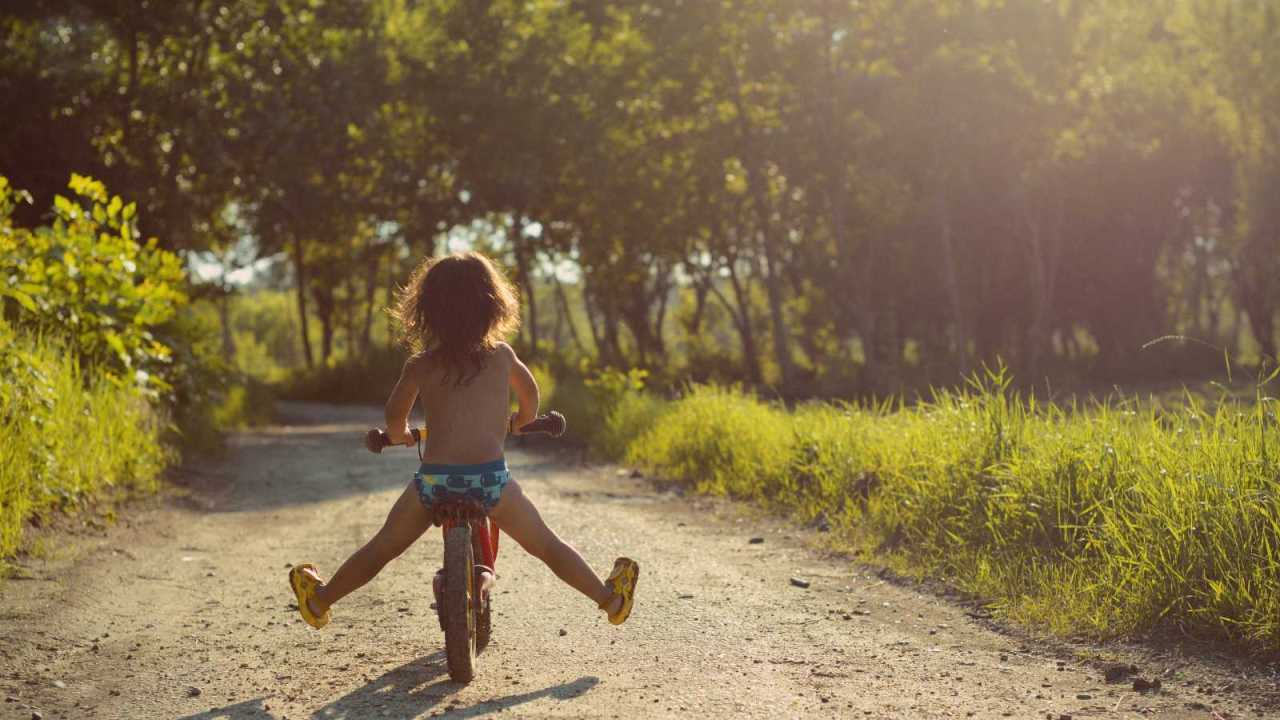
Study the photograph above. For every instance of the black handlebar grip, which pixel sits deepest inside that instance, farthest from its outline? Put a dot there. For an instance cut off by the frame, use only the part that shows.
(553, 424)
(376, 440)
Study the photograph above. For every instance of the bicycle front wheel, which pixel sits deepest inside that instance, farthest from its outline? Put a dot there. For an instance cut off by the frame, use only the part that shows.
(457, 603)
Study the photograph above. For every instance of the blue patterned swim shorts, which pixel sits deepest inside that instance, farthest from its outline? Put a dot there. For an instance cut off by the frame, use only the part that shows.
(483, 482)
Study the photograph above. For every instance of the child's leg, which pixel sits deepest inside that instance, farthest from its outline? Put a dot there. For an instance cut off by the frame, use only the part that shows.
(405, 523)
(517, 517)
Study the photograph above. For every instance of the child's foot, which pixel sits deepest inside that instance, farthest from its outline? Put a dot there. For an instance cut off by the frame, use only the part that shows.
(305, 580)
(622, 582)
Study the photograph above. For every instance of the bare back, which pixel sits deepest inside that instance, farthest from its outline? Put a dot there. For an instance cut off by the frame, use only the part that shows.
(466, 422)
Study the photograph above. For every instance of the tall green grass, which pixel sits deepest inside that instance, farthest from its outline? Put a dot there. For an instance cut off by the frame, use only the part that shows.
(65, 435)
(1113, 520)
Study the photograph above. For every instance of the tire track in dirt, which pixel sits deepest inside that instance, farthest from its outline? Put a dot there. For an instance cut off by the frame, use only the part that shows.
(187, 614)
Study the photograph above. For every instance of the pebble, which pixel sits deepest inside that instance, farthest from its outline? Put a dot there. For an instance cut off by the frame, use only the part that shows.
(563, 632)
(800, 582)
(756, 540)
(36, 715)
(193, 691)
(1118, 672)
(1143, 685)
(59, 684)
(1083, 696)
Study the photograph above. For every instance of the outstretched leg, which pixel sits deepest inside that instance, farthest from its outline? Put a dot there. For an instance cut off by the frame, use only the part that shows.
(518, 517)
(405, 523)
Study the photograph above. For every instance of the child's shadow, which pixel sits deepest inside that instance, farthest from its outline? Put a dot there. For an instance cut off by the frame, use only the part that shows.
(404, 693)
(399, 691)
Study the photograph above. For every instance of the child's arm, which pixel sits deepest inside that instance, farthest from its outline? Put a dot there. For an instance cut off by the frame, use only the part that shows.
(400, 404)
(526, 392)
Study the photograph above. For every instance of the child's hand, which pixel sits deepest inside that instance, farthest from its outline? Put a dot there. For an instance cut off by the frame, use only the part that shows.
(402, 436)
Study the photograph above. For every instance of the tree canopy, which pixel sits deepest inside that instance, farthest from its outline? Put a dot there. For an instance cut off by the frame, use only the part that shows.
(830, 197)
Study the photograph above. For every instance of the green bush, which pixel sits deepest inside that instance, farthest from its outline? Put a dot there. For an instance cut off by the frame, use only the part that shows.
(600, 404)
(102, 365)
(88, 279)
(1113, 520)
(368, 379)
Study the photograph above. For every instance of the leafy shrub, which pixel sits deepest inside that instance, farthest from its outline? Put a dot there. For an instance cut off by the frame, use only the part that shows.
(88, 279)
(591, 400)
(368, 378)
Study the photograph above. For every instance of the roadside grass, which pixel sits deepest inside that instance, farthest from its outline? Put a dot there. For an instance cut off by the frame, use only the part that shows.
(1118, 518)
(65, 438)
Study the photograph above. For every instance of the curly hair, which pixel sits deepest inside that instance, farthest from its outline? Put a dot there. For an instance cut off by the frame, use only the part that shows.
(456, 309)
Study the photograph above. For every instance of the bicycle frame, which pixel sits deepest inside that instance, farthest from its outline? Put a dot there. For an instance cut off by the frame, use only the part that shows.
(484, 532)
(484, 537)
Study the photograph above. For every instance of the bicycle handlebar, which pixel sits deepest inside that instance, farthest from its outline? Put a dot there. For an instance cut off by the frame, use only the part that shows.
(552, 423)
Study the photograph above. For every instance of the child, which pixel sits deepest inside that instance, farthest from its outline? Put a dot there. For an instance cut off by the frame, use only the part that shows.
(455, 311)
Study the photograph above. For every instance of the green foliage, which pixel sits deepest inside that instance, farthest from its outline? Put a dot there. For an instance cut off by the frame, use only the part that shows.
(591, 399)
(1115, 520)
(102, 364)
(65, 438)
(88, 279)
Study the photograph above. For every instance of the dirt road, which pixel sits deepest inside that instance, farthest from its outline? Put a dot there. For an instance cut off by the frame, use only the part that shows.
(186, 613)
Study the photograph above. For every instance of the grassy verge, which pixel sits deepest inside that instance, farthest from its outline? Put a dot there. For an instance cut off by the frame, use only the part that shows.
(1108, 521)
(64, 438)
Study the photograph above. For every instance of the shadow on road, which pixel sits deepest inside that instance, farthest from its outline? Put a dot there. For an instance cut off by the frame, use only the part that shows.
(316, 454)
(254, 708)
(404, 693)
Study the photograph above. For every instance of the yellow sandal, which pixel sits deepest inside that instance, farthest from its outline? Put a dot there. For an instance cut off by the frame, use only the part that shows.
(304, 586)
(622, 581)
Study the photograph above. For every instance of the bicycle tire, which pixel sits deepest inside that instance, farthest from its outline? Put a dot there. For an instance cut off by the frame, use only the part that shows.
(459, 618)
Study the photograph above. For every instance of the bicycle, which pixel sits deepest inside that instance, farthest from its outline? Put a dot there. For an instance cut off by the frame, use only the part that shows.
(462, 587)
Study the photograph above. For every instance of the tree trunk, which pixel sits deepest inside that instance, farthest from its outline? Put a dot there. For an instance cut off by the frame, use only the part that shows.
(701, 288)
(370, 286)
(741, 314)
(1044, 248)
(563, 300)
(951, 280)
(768, 238)
(524, 268)
(781, 333)
(589, 306)
(660, 321)
(393, 332)
(324, 311)
(224, 316)
(1260, 314)
(349, 314)
(636, 317)
(300, 280)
